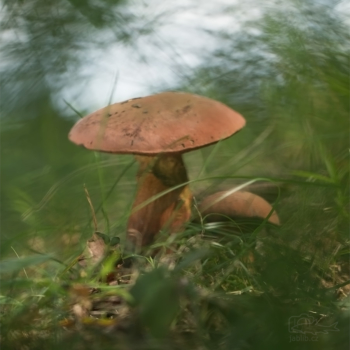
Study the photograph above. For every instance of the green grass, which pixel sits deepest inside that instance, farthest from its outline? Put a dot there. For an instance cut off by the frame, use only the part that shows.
(210, 294)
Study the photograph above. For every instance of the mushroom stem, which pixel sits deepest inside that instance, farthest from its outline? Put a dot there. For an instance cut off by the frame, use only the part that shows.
(170, 211)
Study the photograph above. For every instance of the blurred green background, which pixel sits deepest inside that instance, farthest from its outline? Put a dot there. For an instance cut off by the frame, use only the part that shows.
(284, 65)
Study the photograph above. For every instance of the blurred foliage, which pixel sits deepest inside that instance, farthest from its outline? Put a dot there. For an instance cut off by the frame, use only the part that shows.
(288, 74)
(291, 70)
(45, 43)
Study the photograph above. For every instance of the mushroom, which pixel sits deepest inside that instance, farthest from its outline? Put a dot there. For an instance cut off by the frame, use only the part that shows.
(242, 206)
(157, 129)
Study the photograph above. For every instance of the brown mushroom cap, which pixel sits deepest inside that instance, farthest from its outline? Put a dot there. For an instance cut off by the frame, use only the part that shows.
(167, 122)
(237, 205)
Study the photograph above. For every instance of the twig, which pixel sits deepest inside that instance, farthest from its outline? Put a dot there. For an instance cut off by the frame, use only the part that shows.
(91, 207)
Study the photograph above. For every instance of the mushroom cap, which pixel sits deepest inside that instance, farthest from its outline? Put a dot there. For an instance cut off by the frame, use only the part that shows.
(237, 205)
(167, 122)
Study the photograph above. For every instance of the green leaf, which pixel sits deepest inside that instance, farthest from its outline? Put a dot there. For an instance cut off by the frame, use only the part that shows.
(157, 297)
(114, 241)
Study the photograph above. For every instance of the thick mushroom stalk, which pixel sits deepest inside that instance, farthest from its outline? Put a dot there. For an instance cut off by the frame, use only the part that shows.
(170, 211)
